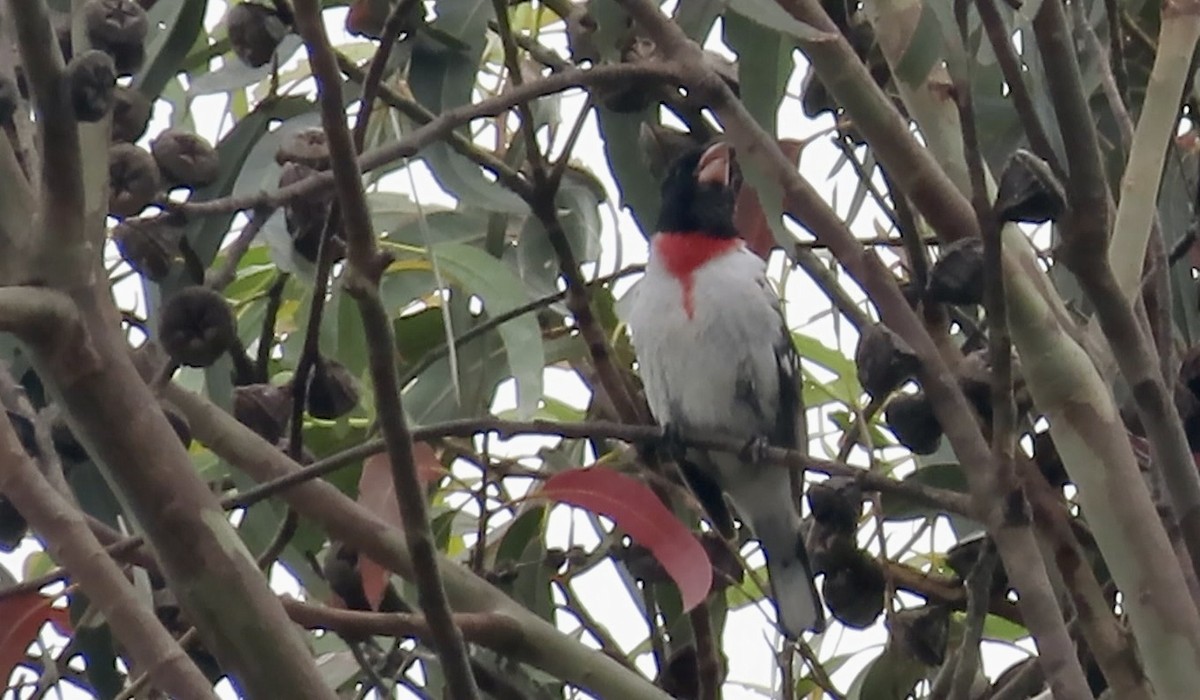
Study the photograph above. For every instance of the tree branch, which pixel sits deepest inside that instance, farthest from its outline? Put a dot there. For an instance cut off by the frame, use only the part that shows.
(70, 542)
(440, 127)
(541, 645)
(365, 267)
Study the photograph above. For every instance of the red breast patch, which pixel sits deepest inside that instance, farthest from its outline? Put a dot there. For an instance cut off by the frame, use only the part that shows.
(684, 253)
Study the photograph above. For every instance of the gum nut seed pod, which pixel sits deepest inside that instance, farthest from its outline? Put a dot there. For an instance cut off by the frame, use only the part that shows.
(149, 245)
(92, 77)
(264, 408)
(332, 390)
(836, 502)
(1029, 191)
(131, 114)
(254, 32)
(910, 418)
(197, 326)
(305, 146)
(133, 180)
(957, 277)
(110, 22)
(854, 593)
(185, 159)
(884, 360)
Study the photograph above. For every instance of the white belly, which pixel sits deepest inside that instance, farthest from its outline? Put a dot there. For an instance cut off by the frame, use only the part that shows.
(699, 370)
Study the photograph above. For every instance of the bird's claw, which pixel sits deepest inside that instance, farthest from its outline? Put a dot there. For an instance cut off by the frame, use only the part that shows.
(672, 444)
(755, 450)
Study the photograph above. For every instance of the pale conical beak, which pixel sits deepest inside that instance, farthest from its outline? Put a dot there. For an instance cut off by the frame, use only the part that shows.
(716, 165)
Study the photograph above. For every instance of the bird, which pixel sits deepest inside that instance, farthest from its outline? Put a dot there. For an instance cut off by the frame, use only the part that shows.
(717, 361)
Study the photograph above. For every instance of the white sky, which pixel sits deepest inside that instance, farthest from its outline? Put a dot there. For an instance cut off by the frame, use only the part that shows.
(749, 638)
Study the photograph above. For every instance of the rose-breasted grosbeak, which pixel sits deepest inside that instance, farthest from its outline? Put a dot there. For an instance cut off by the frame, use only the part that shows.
(717, 360)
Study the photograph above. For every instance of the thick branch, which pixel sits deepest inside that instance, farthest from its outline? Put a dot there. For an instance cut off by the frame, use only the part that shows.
(542, 645)
(69, 541)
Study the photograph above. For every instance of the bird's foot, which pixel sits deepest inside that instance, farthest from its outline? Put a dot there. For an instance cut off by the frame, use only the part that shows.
(755, 450)
(672, 445)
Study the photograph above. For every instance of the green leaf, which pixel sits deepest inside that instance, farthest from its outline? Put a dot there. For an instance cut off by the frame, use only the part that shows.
(890, 676)
(487, 278)
(235, 75)
(944, 476)
(696, 17)
(442, 76)
(175, 27)
(925, 45)
(639, 188)
(768, 14)
(578, 204)
(999, 628)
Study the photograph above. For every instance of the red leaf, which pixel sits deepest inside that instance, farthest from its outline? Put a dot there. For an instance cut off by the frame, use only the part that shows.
(377, 493)
(636, 510)
(23, 615)
(748, 216)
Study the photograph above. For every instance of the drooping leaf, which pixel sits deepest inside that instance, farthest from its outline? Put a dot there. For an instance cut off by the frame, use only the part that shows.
(487, 278)
(377, 493)
(442, 76)
(638, 187)
(235, 75)
(638, 511)
(578, 201)
(889, 676)
(175, 29)
(23, 615)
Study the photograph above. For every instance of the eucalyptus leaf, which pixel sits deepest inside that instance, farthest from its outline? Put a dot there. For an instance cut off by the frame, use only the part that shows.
(176, 27)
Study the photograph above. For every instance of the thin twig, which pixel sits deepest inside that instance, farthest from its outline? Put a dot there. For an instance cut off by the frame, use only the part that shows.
(220, 278)
(440, 127)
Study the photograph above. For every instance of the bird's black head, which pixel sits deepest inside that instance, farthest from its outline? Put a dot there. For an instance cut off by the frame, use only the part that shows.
(697, 194)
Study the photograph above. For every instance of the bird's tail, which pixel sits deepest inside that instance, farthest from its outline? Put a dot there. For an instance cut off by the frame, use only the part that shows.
(796, 600)
(766, 503)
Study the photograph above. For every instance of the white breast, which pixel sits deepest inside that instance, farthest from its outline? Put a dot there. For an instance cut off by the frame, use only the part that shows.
(692, 367)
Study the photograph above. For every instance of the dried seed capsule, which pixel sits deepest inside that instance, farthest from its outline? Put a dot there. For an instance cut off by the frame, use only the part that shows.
(854, 592)
(306, 216)
(93, 79)
(263, 408)
(910, 418)
(1029, 191)
(185, 159)
(111, 22)
(332, 390)
(836, 503)
(150, 245)
(131, 114)
(133, 179)
(197, 327)
(305, 146)
(884, 360)
(118, 27)
(957, 276)
(254, 32)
